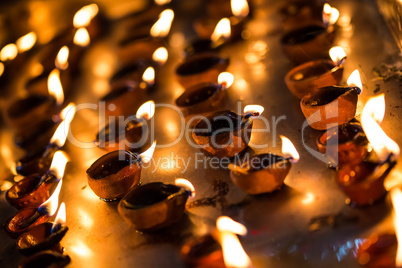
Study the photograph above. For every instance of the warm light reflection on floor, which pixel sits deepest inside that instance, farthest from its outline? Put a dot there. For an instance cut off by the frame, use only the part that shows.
(308, 199)
(85, 219)
(81, 249)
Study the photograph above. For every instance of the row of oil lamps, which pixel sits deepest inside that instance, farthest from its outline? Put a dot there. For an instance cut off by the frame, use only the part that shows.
(117, 174)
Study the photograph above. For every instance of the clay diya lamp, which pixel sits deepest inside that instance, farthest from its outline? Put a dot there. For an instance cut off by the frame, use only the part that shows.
(224, 133)
(46, 258)
(131, 74)
(42, 237)
(298, 14)
(30, 191)
(123, 100)
(203, 68)
(310, 76)
(199, 46)
(203, 251)
(132, 134)
(204, 98)
(308, 43)
(111, 176)
(345, 144)
(378, 250)
(333, 105)
(25, 219)
(154, 206)
(264, 173)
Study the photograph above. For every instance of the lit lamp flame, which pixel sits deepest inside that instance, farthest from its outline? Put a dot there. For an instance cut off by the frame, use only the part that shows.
(239, 8)
(61, 61)
(83, 17)
(8, 52)
(149, 76)
(26, 42)
(49, 207)
(288, 150)
(162, 2)
(161, 28)
(225, 79)
(330, 14)
(253, 110)
(160, 55)
(147, 155)
(54, 86)
(222, 30)
(396, 196)
(233, 252)
(60, 135)
(7, 156)
(337, 54)
(354, 80)
(383, 146)
(186, 185)
(60, 217)
(58, 164)
(81, 37)
(146, 110)
(1, 68)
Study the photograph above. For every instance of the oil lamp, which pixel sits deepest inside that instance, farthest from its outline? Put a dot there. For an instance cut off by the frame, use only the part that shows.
(46, 258)
(225, 133)
(202, 68)
(265, 173)
(155, 205)
(133, 74)
(44, 236)
(205, 97)
(333, 105)
(363, 182)
(310, 76)
(133, 135)
(114, 174)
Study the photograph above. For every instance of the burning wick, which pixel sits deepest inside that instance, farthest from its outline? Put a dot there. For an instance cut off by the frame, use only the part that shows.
(253, 111)
(240, 8)
(148, 78)
(186, 185)
(160, 55)
(338, 55)
(289, 151)
(221, 32)
(225, 79)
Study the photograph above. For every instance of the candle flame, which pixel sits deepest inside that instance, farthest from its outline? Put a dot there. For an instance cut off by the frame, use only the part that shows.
(26, 42)
(146, 110)
(225, 79)
(161, 28)
(162, 2)
(288, 150)
(222, 30)
(60, 217)
(60, 135)
(81, 37)
(396, 196)
(1, 68)
(233, 252)
(58, 164)
(381, 143)
(147, 155)
(149, 76)
(49, 207)
(61, 61)
(240, 8)
(330, 14)
(55, 87)
(254, 110)
(354, 80)
(337, 54)
(7, 156)
(160, 55)
(8, 52)
(187, 185)
(83, 17)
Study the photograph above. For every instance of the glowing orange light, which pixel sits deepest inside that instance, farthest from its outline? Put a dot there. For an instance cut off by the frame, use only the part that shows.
(396, 196)
(147, 155)
(381, 143)
(222, 30)
(186, 185)
(60, 135)
(162, 2)
(81, 37)
(50, 205)
(60, 217)
(83, 17)
(61, 61)
(162, 26)
(330, 14)
(1, 68)
(225, 79)
(54, 86)
(337, 54)
(8, 52)
(308, 199)
(160, 55)
(240, 8)
(146, 110)
(354, 80)
(7, 156)
(58, 164)
(233, 252)
(255, 110)
(149, 76)
(288, 150)
(26, 42)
